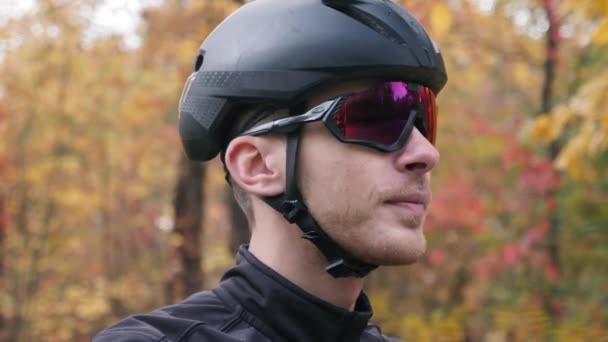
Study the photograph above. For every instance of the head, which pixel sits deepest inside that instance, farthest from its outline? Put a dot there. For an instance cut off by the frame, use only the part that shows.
(369, 198)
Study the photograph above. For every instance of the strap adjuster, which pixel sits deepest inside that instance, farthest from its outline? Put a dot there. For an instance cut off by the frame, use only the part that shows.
(292, 209)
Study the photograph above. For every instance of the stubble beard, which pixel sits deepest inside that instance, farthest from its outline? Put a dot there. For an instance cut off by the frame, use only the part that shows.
(353, 224)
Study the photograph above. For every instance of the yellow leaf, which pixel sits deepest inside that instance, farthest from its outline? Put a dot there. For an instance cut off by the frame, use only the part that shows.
(521, 73)
(601, 35)
(559, 119)
(441, 18)
(541, 129)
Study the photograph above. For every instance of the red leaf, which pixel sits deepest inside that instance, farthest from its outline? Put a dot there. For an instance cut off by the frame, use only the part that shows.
(511, 254)
(536, 234)
(457, 207)
(437, 257)
(552, 273)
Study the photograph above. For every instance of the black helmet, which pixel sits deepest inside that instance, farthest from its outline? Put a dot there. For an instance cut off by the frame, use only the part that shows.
(276, 52)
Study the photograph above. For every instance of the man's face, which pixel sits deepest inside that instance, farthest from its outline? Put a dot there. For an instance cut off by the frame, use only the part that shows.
(371, 203)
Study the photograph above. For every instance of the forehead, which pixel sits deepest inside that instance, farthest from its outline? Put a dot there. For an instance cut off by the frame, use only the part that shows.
(339, 89)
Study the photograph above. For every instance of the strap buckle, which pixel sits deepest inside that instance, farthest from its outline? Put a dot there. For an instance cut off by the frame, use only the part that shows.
(292, 209)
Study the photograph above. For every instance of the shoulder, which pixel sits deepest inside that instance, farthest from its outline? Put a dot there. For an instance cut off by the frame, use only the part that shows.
(197, 316)
(131, 330)
(373, 333)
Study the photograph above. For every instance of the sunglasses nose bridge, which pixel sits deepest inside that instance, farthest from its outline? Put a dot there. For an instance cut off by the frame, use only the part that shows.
(417, 154)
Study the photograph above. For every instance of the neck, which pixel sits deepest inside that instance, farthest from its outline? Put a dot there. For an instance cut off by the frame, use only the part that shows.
(280, 246)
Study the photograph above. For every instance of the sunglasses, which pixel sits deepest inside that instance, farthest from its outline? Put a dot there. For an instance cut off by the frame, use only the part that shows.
(381, 117)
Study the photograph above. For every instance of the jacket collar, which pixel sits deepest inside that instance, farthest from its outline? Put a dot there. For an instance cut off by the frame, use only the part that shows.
(288, 310)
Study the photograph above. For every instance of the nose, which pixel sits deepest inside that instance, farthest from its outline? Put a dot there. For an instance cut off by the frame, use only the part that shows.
(417, 156)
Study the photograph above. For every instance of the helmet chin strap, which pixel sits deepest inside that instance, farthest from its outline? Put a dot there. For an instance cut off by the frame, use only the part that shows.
(290, 204)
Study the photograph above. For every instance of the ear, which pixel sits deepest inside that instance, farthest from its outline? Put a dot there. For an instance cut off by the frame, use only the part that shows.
(257, 164)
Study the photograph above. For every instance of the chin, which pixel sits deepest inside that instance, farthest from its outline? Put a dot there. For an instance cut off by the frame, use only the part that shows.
(406, 254)
(392, 247)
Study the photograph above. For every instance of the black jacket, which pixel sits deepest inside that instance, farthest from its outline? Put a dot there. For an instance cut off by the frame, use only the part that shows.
(252, 303)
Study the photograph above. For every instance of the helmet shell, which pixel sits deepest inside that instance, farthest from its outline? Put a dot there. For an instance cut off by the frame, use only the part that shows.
(277, 52)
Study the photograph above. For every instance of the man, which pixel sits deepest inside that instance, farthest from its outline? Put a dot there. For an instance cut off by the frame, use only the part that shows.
(324, 115)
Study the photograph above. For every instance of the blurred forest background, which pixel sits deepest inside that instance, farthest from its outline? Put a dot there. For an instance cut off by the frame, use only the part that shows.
(101, 216)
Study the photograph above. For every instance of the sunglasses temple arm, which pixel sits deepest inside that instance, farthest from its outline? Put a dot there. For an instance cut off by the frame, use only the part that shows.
(276, 126)
(262, 129)
(291, 123)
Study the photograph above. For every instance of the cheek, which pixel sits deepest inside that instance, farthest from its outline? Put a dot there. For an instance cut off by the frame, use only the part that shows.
(321, 175)
(337, 180)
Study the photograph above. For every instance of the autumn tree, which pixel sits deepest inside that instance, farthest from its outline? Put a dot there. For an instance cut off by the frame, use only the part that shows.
(85, 139)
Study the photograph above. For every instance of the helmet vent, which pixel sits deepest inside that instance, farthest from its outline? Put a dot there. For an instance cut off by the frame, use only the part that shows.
(368, 20)
(198, 63)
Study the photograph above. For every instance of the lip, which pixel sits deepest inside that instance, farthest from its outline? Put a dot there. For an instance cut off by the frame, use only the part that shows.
(415, 203)
(416, 209)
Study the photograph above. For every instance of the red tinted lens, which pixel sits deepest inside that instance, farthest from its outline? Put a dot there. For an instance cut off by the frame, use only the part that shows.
(430, 113)
(380, 113)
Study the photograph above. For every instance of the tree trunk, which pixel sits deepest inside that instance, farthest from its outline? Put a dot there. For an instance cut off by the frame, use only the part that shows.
(553, 247)
(188, 221)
